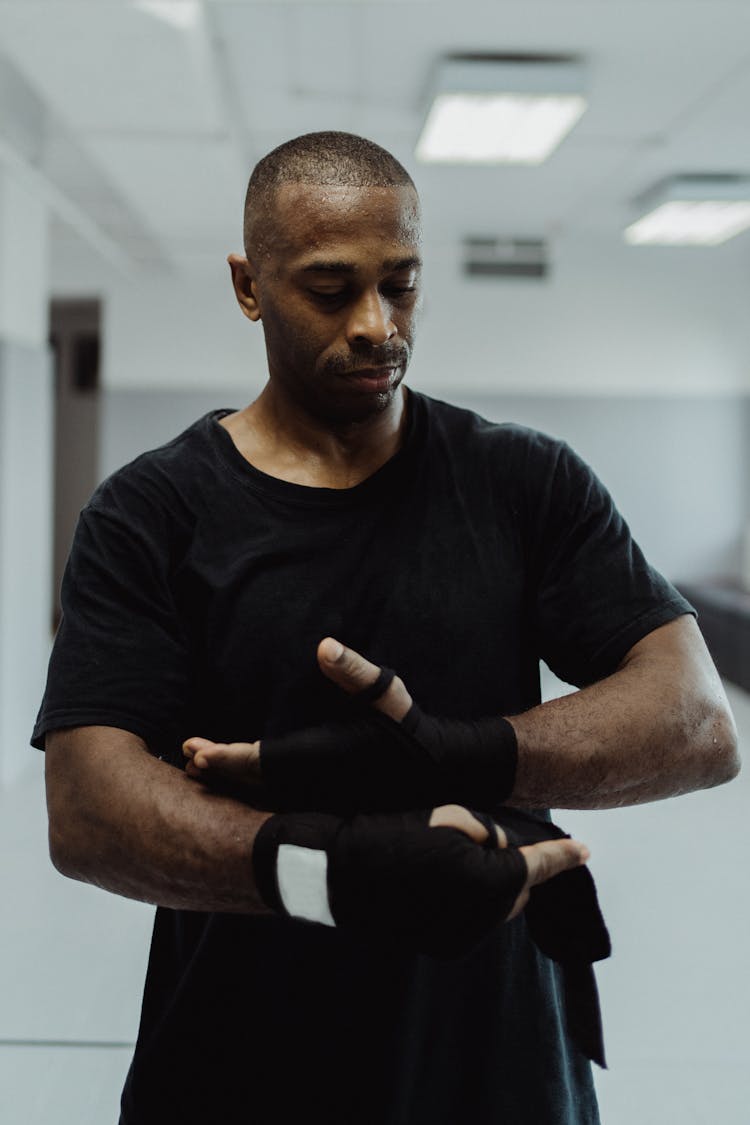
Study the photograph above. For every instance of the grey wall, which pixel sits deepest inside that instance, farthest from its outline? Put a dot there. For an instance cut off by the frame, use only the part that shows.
(677, 467)
(746, 456)
(133, 421)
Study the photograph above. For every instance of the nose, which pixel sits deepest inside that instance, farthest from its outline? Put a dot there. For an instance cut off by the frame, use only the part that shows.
(371, 320)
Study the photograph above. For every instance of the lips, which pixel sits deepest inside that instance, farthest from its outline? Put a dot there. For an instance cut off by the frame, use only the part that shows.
(371, 378)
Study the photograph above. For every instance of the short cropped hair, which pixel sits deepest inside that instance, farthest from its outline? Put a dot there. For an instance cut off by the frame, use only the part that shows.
(329, 159)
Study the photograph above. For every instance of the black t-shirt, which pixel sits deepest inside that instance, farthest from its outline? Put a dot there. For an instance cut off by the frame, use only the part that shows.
(197, 590)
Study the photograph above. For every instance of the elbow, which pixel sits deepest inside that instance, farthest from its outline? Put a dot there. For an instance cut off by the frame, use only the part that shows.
(718, 747)
(59, 856)
(730, 752)
(71, 815)
(70, 845)
(62, 850)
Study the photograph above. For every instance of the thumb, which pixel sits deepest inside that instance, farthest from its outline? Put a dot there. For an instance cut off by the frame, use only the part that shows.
(345, 667)
(552, 857)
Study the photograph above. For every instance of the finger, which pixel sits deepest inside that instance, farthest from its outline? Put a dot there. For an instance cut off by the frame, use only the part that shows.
(519, 904)
(235, 759)
(193, 772)
(191, 746)
(353, 673)
(456, 816)
(551, 857)
(545, 860)
(345, 666)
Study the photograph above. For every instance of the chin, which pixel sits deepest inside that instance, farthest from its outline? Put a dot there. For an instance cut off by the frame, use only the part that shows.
(354, 407)
(371, 407)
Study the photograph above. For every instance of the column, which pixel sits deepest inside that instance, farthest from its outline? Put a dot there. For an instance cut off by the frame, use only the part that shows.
(26, 406)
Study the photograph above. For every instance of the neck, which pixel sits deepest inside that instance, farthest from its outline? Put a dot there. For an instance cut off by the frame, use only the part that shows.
(292, 445)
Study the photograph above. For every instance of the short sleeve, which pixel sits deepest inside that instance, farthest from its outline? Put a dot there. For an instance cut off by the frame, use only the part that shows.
(594, 595)
(119, 658)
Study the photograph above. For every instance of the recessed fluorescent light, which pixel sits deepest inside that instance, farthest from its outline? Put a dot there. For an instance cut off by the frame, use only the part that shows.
(692, 211)
(501, 110)
(183, 14)
(497, 128)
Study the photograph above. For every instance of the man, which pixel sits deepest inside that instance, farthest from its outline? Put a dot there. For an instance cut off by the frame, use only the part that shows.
(208, 589)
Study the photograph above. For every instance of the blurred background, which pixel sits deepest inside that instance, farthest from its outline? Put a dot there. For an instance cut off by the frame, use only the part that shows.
(127, 134)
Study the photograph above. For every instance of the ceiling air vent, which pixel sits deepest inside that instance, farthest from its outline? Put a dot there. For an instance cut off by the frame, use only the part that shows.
(505, 257)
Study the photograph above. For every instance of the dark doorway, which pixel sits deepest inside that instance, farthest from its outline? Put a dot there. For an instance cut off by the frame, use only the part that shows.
(75, 339)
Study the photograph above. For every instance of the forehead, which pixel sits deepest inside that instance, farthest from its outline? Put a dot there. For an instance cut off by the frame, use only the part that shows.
(316, 218)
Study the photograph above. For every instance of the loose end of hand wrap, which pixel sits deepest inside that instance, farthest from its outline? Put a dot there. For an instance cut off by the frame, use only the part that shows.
(583, 1014)
(566, 924)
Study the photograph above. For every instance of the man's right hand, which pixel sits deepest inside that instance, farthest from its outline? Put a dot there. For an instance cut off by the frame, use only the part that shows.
(381, 758)
(543, 860)
(424, 882)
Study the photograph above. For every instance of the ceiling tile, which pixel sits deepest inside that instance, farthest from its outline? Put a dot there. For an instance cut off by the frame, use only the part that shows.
(111, 67)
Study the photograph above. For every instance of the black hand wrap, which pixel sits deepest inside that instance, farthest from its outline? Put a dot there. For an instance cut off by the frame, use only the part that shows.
(393, 879)
(371, 763)
(380, 687)
(566, 924)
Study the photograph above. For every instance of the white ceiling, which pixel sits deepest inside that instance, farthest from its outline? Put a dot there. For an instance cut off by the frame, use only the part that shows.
(148, 132)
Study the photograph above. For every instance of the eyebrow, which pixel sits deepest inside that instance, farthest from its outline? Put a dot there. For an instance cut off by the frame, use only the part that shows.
(392, 265)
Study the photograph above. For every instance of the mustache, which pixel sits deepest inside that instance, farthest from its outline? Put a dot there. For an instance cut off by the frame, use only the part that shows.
(362, 361)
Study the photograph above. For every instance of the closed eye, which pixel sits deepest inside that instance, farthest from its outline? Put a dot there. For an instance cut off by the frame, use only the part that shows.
(327, 295)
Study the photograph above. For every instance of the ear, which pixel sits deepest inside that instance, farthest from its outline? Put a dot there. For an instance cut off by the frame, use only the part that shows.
(244, 283)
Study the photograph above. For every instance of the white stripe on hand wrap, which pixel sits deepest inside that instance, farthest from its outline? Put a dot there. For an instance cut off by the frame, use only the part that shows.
(302, 875)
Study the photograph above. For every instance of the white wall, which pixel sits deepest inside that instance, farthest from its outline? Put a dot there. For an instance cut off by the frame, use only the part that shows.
(24, 261)
(177, 332)
(611, 319)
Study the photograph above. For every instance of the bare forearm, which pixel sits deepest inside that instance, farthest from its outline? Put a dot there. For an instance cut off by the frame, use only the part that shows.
(593, 750)
(658, 727)
(129, 823)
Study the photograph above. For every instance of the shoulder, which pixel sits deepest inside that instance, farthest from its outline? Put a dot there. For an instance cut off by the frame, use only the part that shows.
(169, 480)
(526, 451)
(446, 417)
